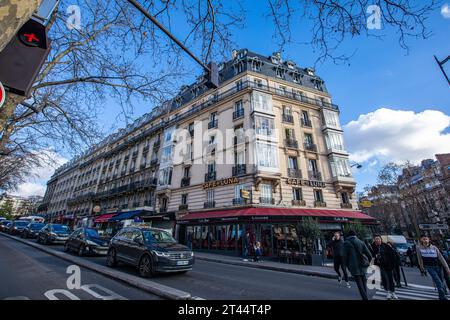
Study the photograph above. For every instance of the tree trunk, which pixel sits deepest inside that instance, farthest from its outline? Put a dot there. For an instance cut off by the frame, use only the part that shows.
(13, 14)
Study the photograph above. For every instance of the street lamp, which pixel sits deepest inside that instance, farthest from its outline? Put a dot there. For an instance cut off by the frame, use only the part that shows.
(358, 166)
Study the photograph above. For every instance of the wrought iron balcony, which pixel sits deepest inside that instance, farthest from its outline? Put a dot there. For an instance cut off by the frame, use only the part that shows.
(315, 175)
(239, 201)
(209, 204)
(154, 162)
(183, 207)
(306, 123)
(213, 124)
(264, 200)
(238, 114)
(320, 204)
(210, 176)
(289, 118)
(294, 173)
(291, 143)
(346, 205)
(310, 146)
(299, 203)
(239, 169)
(185, 181)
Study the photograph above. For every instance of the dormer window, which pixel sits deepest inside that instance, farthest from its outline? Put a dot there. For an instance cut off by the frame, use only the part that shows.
(296, 78)
(256, 64)
(280, 73)
(238, 67)
(310, 71)
(291, 65)
(276, 58)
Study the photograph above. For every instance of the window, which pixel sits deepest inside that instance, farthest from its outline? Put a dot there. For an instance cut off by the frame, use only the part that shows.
(280, 73)
(184, 199)
(292, 163)
(237, 191)
(318, 196)
(262, 101)
(305, 116)
(187, 172)
(238, 67)
(297, 194)
(290, 134)
(238, 106)
(210, 195)
(239, 157)
(239, 134)
(211, 167)
(258, 82)
(191, 128)
(308, 139)
(166, 155)
(239, 85)
(264, 126)
(345, 198)
(287, 110)
(312, 165)
(165, 177)
(213, 116)
(340, 167)
(266, 191)
(256, 65)
(334, 140)
(296, 78)
(267, 155)
(331, 119)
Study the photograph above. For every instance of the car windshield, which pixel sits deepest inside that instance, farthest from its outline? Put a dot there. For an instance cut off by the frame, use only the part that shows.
(21, 223)
(60, 227)
(401, 246)
(37, 225)
(92, 233)
(158, 236)
(6, 222)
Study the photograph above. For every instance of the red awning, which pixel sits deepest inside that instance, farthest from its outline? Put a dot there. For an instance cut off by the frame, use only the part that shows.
(246, 212)
(104, 218)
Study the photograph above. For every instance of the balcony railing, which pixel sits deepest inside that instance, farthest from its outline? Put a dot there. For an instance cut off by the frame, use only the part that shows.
(238, 114)
(291, 143)
(209, 204)
(154, 162)
(264, 200)
(289, 118)
(306, 123)
(239, 201)
(346, 205)
(210, 176)
(294, 173)
(299, 203)
(315, 175)
(183, 207)
(239, 169)
(320, 204)
(186, 182)
(310, 146)
(213, 124)
(148, 203)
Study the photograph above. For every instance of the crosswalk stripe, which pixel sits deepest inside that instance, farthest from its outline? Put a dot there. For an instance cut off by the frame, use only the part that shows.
(382, 296)
(420, 294)
(408, 293)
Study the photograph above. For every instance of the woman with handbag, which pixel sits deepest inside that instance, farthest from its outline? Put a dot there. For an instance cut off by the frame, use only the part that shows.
(385, 259)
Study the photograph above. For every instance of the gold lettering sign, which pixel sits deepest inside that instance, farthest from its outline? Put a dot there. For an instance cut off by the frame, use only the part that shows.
(219, 183)
(310, 183)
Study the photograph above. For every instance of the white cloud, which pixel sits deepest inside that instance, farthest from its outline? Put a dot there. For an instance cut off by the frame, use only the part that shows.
(38, 177)
(396, 135)
(445, 11)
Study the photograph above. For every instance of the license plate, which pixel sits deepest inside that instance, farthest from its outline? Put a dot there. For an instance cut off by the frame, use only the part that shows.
(182, 263)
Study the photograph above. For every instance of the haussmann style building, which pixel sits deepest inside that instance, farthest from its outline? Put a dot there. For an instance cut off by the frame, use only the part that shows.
(259, 154)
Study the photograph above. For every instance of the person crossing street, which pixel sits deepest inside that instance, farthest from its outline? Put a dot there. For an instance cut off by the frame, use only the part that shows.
(337, 246)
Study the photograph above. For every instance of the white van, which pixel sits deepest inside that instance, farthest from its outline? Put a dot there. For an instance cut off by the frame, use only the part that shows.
(400, 242)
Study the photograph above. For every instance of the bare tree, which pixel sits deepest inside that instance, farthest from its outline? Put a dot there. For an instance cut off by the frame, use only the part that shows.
(333, 22)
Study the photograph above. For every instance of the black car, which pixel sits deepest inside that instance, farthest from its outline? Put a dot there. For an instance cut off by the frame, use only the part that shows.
(87, 241)
(32, 230)
(3, 225)
(53, 233)
(17, 227)
(151, 250)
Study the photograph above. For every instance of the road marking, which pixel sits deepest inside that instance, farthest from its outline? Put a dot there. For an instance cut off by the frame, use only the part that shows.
(51, 294)
(409, 294)
(197, 298)
(111, 295)
(17, 298)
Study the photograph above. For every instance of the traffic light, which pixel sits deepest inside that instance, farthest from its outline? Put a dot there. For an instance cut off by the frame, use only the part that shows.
(23, 57)
(213, 76)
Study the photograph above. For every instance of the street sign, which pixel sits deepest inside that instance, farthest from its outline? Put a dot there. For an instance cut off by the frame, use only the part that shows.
(433, 226)
(2, 95)
(22, 59)
(366, 203)
(245, 194)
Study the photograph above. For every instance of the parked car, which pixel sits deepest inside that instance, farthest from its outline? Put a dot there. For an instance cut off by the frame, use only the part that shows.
(53, 233)
(151, 250)
(3, 225)
(32, 230)
(87, 241)
(17, 227)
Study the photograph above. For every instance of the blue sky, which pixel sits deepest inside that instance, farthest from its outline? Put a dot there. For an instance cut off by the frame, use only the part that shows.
(382, 89)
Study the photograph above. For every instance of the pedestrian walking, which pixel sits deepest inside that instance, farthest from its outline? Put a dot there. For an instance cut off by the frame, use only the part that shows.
(246, 243)
(431, 261)
(357, 258)
(337, 246)
(397, 265)
(410, 255)
(386, 259)
(258, 251)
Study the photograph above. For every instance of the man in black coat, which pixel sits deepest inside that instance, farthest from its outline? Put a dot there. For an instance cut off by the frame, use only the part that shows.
(337, 246)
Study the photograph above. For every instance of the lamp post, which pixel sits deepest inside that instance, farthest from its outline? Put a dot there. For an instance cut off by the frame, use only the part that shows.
(356, 164)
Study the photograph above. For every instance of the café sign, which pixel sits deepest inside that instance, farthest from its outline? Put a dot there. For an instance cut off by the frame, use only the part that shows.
(310, 183)
(219, 183)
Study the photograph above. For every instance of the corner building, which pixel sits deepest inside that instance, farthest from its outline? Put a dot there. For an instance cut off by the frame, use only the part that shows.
(258, 154)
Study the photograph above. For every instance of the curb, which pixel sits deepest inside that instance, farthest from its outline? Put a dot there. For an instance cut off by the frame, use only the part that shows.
(272, 268)
(143, 284)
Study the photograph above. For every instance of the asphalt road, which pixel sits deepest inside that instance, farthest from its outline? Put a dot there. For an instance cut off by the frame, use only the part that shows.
(27, 273)
(208, 280)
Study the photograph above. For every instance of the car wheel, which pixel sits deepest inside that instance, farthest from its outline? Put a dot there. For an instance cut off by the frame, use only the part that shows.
(111, 260)
(66, 247)
(145, 266)
(81, 251)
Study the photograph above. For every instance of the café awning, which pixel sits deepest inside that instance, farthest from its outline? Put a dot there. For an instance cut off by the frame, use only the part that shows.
(104, 217)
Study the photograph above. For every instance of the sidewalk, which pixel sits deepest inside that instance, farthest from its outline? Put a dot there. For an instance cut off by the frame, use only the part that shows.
(412, 274)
